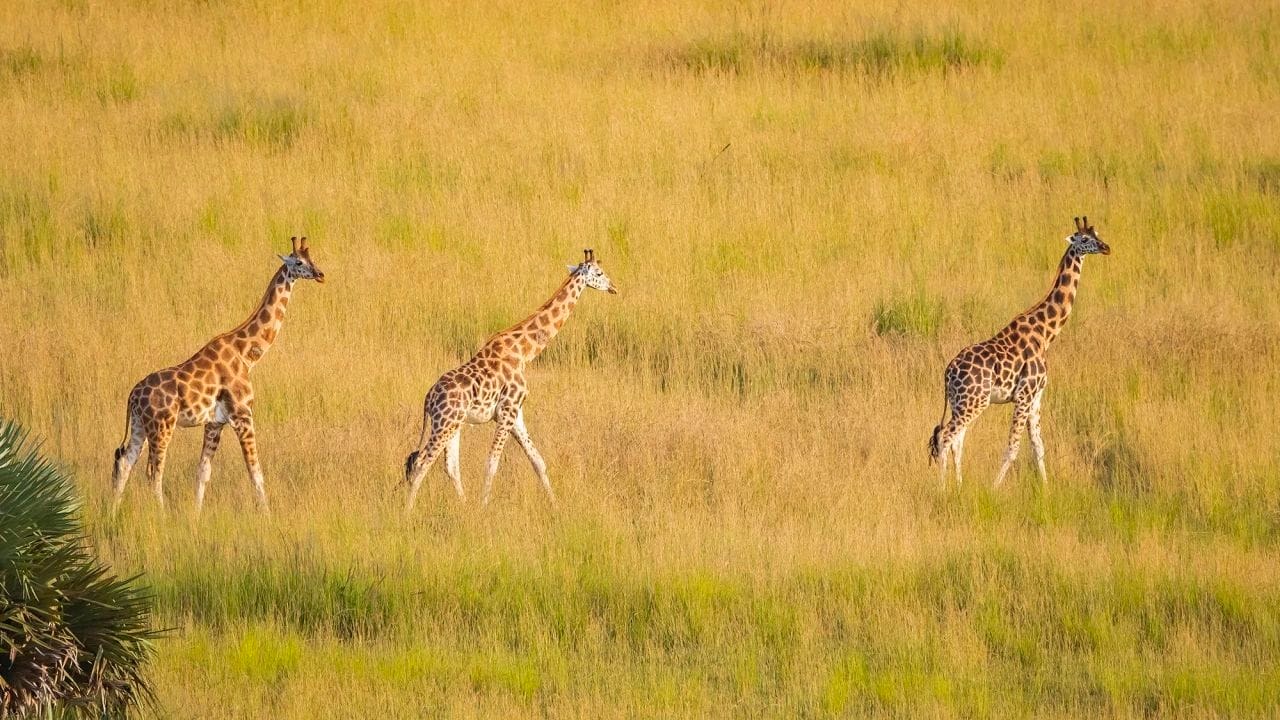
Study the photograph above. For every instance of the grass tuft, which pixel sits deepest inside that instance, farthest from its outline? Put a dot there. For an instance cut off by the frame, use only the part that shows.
(916, 316)
(273, 123)
(879, 55)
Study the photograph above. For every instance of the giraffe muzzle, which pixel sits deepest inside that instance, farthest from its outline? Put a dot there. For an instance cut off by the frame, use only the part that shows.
(613, 290)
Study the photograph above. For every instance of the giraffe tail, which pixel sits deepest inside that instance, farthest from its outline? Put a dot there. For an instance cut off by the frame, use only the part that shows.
(935, 448)
(408, 465)
(128, 431)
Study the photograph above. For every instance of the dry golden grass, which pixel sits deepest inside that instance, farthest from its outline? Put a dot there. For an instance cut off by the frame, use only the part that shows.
(809, 208)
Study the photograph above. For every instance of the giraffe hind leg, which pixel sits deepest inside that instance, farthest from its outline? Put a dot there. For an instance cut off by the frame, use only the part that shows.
(421, 460)
(957, 453)
(963, 413)
(126, 456)
(158, 447)
(453, 462)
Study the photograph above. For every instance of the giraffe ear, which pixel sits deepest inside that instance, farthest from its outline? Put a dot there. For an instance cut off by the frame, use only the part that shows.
(572, 268)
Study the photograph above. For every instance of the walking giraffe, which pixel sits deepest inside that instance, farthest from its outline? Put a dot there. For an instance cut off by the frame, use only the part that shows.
(1010, 367)
(491, 386)
(212, 389)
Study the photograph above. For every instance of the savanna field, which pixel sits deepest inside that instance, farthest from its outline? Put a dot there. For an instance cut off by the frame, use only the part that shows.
(808, 209)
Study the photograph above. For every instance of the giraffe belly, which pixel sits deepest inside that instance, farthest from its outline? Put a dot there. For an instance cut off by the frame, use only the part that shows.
(479, 416)
(205, 413)
(1000, 395)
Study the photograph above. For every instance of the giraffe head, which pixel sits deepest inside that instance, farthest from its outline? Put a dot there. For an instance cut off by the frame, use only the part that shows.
(591, 271)
(299, 265)
(1085, 240)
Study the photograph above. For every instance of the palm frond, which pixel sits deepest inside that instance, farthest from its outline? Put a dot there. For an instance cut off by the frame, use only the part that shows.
(73, 636)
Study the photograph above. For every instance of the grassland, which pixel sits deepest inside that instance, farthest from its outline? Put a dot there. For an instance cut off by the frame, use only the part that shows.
(808, 207)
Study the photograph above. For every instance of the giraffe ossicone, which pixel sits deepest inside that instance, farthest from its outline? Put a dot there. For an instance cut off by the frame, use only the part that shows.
(490, 387)
(1011, 368)
(211, 389)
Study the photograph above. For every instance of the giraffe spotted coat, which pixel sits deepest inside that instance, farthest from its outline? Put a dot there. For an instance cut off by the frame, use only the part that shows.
(1011, 367)
(490, 387)
(210, 389)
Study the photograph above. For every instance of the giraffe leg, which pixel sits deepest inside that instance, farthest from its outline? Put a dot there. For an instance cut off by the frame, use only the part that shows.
(242, 423)
(158, 444)
(1037, 443)
(1021, 410)
(452, 462)
(126, 456)
(212, 434)
(521, 434)
(951, 440)
(421, 460)
(957, 451)
(506, 417)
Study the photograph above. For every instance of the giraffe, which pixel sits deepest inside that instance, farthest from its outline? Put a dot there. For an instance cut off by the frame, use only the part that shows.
(491, 387)
(1010, 367)
(212, 389)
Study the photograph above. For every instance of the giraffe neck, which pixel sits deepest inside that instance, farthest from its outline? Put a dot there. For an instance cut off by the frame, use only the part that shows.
(532, 334)
(255, 335)
(1051, 313)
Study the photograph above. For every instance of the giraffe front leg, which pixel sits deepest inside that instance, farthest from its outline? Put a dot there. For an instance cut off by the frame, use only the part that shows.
(506, 418)
(1020, 412)
(1037, 443)
(212, 434)
(242, 423)
(535, 458)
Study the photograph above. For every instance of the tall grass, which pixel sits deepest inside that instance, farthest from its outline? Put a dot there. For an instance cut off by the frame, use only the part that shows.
(808, 208)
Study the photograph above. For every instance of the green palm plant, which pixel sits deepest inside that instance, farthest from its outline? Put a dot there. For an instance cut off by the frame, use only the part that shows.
(73, 636)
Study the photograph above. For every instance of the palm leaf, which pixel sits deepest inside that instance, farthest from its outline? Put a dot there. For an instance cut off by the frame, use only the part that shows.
(74, 637)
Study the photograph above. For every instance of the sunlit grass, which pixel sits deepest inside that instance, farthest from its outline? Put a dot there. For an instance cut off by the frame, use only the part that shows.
(809, 209)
